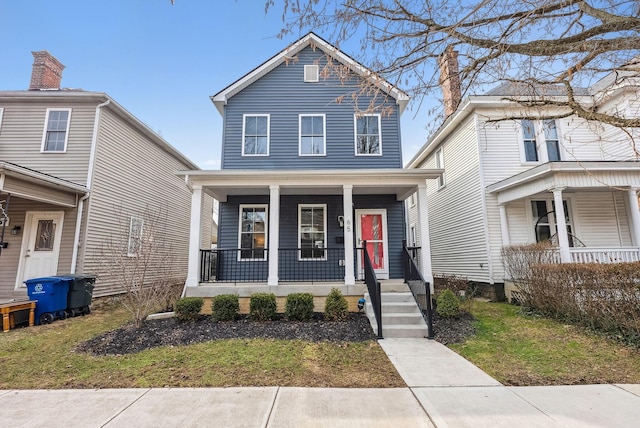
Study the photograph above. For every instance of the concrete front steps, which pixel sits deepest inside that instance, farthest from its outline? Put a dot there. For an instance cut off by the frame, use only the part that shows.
(401, 317)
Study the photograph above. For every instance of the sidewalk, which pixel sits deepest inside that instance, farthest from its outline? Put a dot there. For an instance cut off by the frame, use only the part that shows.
(444, 390)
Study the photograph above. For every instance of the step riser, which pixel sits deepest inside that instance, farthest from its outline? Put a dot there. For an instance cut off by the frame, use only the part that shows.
(396, 309)
(393, 297)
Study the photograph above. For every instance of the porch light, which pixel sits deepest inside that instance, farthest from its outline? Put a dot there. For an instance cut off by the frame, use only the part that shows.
(15, 230)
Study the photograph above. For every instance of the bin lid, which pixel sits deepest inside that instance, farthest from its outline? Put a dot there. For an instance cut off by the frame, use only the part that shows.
(51, 279)
(79, 276)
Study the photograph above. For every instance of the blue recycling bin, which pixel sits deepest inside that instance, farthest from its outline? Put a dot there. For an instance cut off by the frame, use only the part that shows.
(50, 294)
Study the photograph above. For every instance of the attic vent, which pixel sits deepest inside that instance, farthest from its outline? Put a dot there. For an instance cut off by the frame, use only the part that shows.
(311, 73)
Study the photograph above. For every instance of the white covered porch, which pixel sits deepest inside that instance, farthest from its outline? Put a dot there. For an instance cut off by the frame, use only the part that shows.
(277, 185)
(589, 210)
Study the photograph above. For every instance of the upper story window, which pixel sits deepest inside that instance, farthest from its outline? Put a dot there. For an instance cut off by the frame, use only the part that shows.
(312, 232)
(255, 135)
(368, 137)
(440, 165)
(253, 232)
(56, 130)
(540, 141)
(551, 138)
(311, 73)
(312, 135)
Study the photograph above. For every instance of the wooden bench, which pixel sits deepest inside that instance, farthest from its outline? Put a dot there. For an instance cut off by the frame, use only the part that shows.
(7, 310)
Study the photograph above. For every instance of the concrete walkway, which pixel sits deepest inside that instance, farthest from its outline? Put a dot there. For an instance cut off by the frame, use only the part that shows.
(444, 390)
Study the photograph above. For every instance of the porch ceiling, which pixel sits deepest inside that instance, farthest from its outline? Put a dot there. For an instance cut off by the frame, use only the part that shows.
(569, 176)
(37, 186)
(222, 183)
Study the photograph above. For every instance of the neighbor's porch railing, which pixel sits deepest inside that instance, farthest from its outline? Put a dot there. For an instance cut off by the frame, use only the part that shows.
(420, 288)
(373, 286)
(604, 255)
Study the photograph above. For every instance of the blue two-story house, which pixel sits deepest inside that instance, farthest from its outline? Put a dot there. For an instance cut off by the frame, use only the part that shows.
(311, 170)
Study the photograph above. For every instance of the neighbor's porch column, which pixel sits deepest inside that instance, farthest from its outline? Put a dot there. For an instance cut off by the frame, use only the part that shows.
(274, 233)
(425, 243)
(193, 269)
(504, 226)
(632, 194)
(347, 202)
(561, 226)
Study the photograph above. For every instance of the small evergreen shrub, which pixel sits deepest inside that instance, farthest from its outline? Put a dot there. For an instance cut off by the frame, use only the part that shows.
(336, 306)
(447, 304)
(188, 308)
(225, 307)
(299, 306)
(262, 306)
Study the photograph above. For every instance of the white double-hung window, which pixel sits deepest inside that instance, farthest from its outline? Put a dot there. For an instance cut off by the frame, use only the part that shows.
(255, 135)
(368, 135)
(312, 231)
(56, 130)
(540, 141)
(312, 135)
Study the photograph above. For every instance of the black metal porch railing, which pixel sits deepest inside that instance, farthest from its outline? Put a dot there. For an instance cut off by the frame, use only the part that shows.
(373, 286)
(420, 288)
(311, 264)
(234, 265)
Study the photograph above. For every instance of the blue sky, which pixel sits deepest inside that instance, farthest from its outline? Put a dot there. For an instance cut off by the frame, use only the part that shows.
(160, 62)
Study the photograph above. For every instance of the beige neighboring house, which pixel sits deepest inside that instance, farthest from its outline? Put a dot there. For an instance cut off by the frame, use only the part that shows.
(74, 167)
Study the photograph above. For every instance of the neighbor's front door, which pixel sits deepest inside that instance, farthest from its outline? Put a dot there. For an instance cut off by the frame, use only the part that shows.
(371, 226)
(40, 245)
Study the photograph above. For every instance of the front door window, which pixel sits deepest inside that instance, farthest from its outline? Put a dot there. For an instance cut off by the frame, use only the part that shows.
(373, 233)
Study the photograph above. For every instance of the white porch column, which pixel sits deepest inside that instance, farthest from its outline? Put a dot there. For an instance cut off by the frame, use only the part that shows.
(347, 202)
(274, 233)
(193, 268)
(561, 226)
(632, 194)
(504, 226)
(425, 243)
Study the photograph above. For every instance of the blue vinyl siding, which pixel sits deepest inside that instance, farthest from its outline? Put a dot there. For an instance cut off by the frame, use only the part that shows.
(284, 95)
(228, 216)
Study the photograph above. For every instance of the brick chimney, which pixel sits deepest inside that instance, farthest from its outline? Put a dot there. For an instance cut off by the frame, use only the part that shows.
(46, 72)
(450, 80)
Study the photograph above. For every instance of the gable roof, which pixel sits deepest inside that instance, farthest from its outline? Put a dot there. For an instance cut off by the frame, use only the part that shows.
(311, 39)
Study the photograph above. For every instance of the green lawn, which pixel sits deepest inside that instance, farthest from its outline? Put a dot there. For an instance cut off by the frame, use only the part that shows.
(43, 357)
(517, 349)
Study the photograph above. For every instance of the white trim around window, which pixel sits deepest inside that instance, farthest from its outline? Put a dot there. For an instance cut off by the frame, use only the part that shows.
(55, 134)
(134, 242)
(540, 137)
(260, 237)
(1, 111)
(440, 165)
(315, 240)
(372, 140)
(255, 136)
(315, 138)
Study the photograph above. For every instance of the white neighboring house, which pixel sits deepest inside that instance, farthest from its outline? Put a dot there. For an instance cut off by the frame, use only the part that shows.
(510, 182)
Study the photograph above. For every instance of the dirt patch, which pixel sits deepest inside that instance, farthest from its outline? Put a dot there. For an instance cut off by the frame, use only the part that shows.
(171, 332)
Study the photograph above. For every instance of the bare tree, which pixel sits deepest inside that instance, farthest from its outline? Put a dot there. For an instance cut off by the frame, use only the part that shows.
(138, 257)
(546, 48)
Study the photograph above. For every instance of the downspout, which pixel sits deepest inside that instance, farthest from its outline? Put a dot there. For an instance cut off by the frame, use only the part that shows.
(92, 156)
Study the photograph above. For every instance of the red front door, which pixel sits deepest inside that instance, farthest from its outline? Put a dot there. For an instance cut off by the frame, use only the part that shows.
(372, 228)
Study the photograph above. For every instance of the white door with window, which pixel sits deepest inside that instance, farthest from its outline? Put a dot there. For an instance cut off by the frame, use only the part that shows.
(40, 245)
(371, 226)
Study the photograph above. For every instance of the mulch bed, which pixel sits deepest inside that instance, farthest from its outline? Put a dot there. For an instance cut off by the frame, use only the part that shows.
(170, 332)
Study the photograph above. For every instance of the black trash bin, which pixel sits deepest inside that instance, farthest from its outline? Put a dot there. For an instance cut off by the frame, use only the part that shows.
(80, 294)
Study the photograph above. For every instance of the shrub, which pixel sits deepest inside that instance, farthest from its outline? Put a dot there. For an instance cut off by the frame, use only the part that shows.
(262, 306)
(447, 304)
(188, 308)
(225, 307)
(299, 306)
(336, 306)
